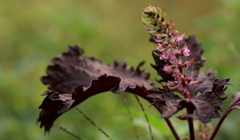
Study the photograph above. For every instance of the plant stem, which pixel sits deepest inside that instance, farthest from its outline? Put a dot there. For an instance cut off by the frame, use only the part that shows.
(169, 123)
(146, 117)
(190, 124)
(131, 118)
(214, 133)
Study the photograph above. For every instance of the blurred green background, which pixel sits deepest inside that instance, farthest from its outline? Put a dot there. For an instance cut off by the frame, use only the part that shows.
(32, 32)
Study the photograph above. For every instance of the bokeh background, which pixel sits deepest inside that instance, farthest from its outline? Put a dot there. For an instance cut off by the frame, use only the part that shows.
(33, 31)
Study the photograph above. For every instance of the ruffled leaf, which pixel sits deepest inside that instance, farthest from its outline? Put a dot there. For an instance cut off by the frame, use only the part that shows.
(52, 107)
(73, 68)
(235, 104)
(73, 78)
(167, 101)
(208, 104)
(205, 83)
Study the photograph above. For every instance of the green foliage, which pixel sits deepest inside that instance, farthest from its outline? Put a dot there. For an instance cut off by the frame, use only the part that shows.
(32, 32)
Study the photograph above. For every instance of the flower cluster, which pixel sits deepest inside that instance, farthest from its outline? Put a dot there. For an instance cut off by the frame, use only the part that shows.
(158, 24)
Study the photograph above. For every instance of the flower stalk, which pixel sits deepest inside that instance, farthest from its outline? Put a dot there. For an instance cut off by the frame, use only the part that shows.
(162, 28)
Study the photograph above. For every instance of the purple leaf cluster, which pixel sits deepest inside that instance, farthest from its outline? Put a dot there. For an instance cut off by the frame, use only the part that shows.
(73, 78)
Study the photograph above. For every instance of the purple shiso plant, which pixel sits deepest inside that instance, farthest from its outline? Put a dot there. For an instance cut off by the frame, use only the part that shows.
(74, 78)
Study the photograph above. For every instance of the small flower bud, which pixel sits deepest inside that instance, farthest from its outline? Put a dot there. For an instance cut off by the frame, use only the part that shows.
(180, 89)
(190, 79)
(174, 60)
(167, 69)
(164, 56)
(158, 37)
(175, 32)
(176, 76)
(169, 41)
(179, 39)
(186, 51)
(169, 83)
(187, 63)
(160, 46)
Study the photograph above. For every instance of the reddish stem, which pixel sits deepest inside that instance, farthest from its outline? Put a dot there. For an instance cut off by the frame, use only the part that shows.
(169, 123)
(190, 123)
(217, 128)
(214, 133)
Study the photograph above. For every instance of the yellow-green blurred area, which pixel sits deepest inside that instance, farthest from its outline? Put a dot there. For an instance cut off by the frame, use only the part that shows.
(34, 31)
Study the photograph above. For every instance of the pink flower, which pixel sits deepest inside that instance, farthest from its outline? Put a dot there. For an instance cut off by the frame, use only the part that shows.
(160, 46)
(167, 68)
(169, 83)
(187, 63)
(174, 60)
(176, 76)
(164, 56)
(171, 54)
(169, 41)
(186, 51)
(180, 89)
(179, 39)
(158, 37)
(190, 79)
(175, 32)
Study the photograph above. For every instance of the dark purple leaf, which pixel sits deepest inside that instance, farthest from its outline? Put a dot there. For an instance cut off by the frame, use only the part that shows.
(167, 101)
(73, 78)
(206, 83)
(208, 104)
(235, 104)
(51, 106)
(73, 68)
